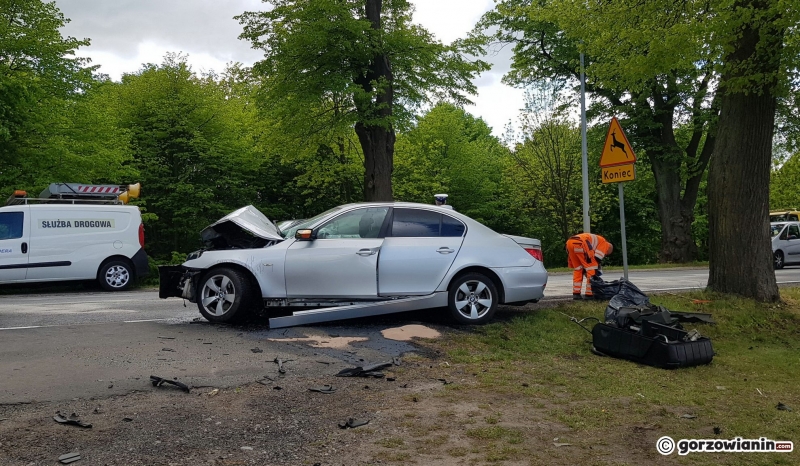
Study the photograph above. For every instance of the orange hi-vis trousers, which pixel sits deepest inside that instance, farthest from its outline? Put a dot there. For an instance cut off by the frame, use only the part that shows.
(582, 262)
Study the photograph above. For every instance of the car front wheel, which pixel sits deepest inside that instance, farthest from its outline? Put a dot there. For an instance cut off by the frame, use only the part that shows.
(778, 260)
(226, 296)
(472, 299)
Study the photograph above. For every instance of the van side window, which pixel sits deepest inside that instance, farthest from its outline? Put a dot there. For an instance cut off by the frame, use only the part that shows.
(794, 231)
(11, 225)
(792, 217)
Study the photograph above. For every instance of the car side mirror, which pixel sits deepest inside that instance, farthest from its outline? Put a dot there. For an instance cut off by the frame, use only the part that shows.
(305, 235)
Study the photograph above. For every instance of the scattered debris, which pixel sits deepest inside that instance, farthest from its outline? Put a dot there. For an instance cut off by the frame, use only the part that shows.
(257, 350)
(168, 349)
(717, 430)
(265, 381)
(556, 444)
(167, 338)
(640, 395)
(396, 361)
(782, 407)
(372, 370)
(525, 384)
(127, 419)
(721, 387)
(352, 423)
(445, 382)
(69, 458)
(759, 392)
(213, 392)
(277, 387)
(247, 448)
(72, 420)
(322, 341)
(689, 416)
(207, 343)
(111, 385)
(323, 389)
(280, 363)
(158, 381)
(407, 332)
(390, 379)
(405, 385)
(324, 362)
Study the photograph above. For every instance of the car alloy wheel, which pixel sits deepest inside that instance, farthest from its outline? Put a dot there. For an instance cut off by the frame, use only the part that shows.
(473, 299)
(218, 295)
(778, 258)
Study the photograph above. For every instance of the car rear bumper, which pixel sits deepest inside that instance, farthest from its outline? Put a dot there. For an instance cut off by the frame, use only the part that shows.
(522, 284)
(141, 264)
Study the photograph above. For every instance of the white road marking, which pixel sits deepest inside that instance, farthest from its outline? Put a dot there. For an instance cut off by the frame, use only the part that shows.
(20, 328)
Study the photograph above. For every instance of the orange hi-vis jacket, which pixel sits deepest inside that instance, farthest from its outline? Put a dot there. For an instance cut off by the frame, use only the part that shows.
(583, 252)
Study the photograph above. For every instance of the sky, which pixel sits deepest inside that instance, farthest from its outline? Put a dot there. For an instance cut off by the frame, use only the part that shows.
(127, 33)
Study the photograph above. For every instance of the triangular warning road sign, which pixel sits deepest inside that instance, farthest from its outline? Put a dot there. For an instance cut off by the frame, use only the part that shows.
(617, 150)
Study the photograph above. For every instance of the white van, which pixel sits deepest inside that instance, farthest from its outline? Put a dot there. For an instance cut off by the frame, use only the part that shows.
(53, 242)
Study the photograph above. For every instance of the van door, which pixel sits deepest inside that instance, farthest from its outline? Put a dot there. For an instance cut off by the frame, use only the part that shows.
(14, 239)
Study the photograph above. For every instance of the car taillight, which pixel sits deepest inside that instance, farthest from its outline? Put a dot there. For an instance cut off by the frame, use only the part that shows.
(536, 253)
(141, 235)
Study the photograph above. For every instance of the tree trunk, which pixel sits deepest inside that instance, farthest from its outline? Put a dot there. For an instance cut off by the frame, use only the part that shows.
(378, 145)
(677, 243)
(377, 135)
(738, 185)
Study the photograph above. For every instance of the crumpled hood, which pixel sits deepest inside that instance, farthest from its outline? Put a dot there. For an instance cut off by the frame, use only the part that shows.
(247, 218)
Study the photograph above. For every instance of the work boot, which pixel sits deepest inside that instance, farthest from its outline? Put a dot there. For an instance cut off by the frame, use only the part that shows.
(577, 297)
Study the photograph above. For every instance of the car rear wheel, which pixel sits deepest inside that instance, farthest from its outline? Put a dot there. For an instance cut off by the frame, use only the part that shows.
(472, 299)
(778, 260)
(116, 275)
(226, 296)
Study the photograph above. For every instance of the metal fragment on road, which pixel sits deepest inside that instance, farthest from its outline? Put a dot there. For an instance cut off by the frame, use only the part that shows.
(69, 458)
(158, 381)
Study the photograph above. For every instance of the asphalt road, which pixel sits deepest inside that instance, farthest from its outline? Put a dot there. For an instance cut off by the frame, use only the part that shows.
(62, 346)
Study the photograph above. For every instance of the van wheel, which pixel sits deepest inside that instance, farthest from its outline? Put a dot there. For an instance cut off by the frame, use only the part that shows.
(778, 260)
(472, 299)
(226, 296)
(116, 275)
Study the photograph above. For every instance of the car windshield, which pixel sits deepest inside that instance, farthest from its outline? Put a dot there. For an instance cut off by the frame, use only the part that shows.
(289, 233)
(775, 230)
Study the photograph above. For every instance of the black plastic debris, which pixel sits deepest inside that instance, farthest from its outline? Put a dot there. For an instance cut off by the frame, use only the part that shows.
(372, 370)
(328, 389)
(72, 420)
(257, 350)
(170, 350)
(782, 407)
(636, 330)
(69, 458)
(352, 424)
(158, 381)
(445, 381)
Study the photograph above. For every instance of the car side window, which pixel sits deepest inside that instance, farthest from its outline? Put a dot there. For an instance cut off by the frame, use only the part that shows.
(452, 227)
(416, 223)
(11, 225)
(794, 230)
(359, 223)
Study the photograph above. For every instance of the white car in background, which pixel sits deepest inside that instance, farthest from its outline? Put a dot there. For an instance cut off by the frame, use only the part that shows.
(357, 260)
(785, 243)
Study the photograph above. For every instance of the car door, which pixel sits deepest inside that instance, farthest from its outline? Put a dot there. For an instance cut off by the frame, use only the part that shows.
(14, 239)
(342, 261)
(418, 251)
(792, 244)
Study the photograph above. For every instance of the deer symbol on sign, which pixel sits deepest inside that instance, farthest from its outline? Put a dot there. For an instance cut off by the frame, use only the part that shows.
(617, 143)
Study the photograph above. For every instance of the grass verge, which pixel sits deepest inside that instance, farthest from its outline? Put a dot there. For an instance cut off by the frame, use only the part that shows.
(537, 370)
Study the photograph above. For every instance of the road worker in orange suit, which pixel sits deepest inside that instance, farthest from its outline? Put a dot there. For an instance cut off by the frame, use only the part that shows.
(584, 253)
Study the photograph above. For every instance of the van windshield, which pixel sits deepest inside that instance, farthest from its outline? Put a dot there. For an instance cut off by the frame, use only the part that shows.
(775, 230)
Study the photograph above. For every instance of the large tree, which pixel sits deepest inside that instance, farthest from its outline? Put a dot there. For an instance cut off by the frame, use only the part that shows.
(362, 62)
(755, 64)
(643, 64)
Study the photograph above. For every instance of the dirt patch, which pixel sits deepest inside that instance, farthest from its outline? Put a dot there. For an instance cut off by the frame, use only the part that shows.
(408, 332)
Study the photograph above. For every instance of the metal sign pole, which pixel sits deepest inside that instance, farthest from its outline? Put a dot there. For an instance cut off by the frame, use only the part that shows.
(587, 227)
(622, 225)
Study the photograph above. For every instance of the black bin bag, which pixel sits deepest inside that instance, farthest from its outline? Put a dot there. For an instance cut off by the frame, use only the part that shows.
(602, 289)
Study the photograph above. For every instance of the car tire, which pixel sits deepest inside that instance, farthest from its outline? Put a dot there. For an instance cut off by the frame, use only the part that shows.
(472, 299)
(116, 275)
(214, 293)
(778, 260)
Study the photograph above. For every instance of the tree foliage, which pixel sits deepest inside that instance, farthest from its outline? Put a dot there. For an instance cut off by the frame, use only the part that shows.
(362, 64)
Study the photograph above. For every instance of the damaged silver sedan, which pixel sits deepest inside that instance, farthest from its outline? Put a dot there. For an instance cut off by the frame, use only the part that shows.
(357, 260)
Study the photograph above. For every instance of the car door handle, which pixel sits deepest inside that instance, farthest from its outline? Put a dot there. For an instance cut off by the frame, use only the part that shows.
(24, 248)
(367, 251)
(444, 250)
